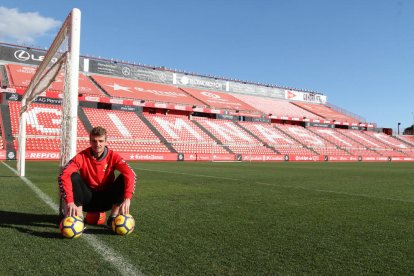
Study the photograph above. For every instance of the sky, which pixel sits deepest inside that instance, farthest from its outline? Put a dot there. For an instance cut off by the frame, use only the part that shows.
(360, 54)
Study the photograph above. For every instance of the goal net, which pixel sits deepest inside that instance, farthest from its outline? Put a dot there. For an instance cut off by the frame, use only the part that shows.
(62, 59)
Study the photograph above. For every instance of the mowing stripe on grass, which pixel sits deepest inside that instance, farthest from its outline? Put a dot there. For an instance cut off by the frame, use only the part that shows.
(45, 198)
(282, 186)
(190, 174)
(334, 192)
(113, 257)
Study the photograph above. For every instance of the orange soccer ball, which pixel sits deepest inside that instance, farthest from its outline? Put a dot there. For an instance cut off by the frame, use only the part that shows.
(95, 218)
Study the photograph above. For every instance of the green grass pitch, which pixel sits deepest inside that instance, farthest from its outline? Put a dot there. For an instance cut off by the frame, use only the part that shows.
(224, 219)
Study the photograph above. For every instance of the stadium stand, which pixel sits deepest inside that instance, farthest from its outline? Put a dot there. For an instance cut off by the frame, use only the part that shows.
(371, 142)
(144, 91)
(408, 139)
(126, 131)
(184, 135)
(20, 75)
(338, 138)
(231, 135)
(178, 115)
(43, 126)
(276, 138)
(275, 107)
(309, 139)
(387, 140)
(120, 124)
(219, 100)
(395, 146)
(325, 112)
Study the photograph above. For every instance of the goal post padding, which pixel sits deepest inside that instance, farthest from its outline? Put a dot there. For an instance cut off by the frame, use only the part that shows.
(63, 54)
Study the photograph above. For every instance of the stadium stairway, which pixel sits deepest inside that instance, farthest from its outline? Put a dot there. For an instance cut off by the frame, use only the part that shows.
(212, 136)
(3, 73)
(356, 141)
(308, 110)
(100, 88)
(156, 132)
(369, 148)
(6, 125)
(294, 139)
(404, 141)
(84, 119)
(386, 144)
(329, 142)
(192, 96)
(255, 136)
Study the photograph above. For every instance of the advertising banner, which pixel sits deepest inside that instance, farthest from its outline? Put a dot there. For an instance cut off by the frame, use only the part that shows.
(42, 155)
(260, 119)
(333, 158)
(149, 156)
(257, 90)
(314, 124)
(2, 155)
(54, 155)
(305, 97)
(199, 82)
(50, 155)
(22, 55)
(129, 71)
(262, 157)
(26, 55)
(402, 159)
(306, 158)
(209, 157)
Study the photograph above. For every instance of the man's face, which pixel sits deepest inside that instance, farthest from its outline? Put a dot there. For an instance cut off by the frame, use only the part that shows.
(98, 144)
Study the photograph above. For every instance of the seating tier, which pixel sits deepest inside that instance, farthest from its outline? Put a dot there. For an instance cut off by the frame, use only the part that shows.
(275, 107)
(183, 134)
(233, 136)
(309, 139)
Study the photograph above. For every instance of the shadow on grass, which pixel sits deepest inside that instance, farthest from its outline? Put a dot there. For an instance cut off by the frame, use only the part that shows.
(29, 223)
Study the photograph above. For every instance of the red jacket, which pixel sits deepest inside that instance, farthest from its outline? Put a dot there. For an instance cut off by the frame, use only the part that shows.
(96, 174)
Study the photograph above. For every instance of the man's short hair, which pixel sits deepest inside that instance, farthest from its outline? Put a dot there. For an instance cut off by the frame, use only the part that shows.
(97, 131)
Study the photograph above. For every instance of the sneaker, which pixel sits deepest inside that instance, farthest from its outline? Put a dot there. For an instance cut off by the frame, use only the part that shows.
(109, 221)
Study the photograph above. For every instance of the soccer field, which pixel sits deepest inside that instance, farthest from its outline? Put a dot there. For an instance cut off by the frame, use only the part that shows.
(222, 219)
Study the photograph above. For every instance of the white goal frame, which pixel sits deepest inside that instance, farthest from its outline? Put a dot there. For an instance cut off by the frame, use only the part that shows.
(44, 76)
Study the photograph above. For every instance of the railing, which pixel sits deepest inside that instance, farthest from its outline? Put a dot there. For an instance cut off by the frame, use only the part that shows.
(347, 113)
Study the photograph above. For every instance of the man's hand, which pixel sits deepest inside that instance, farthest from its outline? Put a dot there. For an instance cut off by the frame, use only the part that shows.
(124, 207)
(72, 210)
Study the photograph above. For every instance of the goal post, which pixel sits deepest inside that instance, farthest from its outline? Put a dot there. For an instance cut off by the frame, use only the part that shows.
(62, 57)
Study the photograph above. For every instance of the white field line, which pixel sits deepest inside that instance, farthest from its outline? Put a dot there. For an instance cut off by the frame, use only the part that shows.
(283, 186)
(107, 253)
